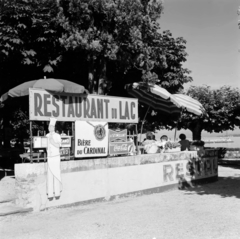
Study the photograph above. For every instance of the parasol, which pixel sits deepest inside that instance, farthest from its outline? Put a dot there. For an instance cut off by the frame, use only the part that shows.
(55, 85)
(191, 105)
(155, 97)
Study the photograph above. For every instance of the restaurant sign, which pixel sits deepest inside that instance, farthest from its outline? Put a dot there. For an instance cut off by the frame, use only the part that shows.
(91, 139)
(72, 107)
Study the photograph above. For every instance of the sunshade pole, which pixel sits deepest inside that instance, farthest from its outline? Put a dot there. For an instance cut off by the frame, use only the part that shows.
(143, 123)
(31, 142)
(136, 138)
(73, 138)
(175, 133)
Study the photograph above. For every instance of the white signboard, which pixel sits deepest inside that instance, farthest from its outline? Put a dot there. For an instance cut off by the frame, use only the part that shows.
(91, 139)
(40, 142)
(72, 107)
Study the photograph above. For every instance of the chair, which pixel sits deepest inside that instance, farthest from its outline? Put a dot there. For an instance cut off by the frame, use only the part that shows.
(26, 156)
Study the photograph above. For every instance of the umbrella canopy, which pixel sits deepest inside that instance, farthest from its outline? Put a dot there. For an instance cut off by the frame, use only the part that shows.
(191, 105)
(155, 97)
(55, 85)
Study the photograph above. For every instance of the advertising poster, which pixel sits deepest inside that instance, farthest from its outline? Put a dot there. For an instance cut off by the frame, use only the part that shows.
(116, 136)
(120, 147)
(91, 139)
(66, 141)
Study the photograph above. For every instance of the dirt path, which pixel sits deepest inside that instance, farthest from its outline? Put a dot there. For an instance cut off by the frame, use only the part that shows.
(208, 211)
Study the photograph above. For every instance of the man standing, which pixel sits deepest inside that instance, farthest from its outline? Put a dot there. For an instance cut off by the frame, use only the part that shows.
(54, 184)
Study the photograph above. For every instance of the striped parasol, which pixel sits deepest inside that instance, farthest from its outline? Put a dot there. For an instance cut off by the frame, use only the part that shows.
(155, 97)
(191, 105)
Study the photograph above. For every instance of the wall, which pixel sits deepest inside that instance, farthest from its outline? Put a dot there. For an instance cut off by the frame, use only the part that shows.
(108, 178)
(227, 153)
(232, 153)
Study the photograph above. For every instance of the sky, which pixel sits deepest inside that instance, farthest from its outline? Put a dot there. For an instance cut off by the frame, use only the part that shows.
(210, 28)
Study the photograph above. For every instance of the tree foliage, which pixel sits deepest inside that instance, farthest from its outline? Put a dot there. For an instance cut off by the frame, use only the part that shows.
(29, 38)
(220, 105)
(101, 44)
(122, 40)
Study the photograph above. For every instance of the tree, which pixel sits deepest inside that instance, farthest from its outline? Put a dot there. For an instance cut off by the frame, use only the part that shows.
(114, 41)
(29, 39)
(101, 44)
(122, 43)
(173, 76)
(220, 105)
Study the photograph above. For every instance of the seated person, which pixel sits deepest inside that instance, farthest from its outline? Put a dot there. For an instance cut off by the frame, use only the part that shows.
(149, 139)
(185, 144)
(131, 148)
(164, 138)
(149, 144)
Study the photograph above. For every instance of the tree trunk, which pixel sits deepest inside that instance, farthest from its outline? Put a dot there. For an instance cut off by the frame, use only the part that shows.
(196, 131)
(91, 76)
(102, 78)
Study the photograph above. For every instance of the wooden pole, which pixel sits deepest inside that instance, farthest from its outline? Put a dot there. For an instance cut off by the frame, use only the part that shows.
(73, 138)
(31, 143)
(175, 133)
(143, 123)
(136, 138)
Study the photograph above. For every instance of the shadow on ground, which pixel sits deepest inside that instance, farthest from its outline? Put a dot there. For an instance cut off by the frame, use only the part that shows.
(226, 186)
(235, 164)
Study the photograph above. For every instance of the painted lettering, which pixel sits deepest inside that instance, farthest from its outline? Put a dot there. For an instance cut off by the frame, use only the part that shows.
(37, 104)
(93, 109)
(167, 173)
(86, 108)
(78, 107)
(126, 111)
(55, 113)
(88, 150)
(100, 108)
(63, 98)
(120, 110)
(70, 108)
(106, 107)
(46, 102)
(82, 142)
(179, 170)
(132, 109)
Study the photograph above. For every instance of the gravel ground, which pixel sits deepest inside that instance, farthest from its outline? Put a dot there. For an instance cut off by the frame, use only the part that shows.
(207, 211)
